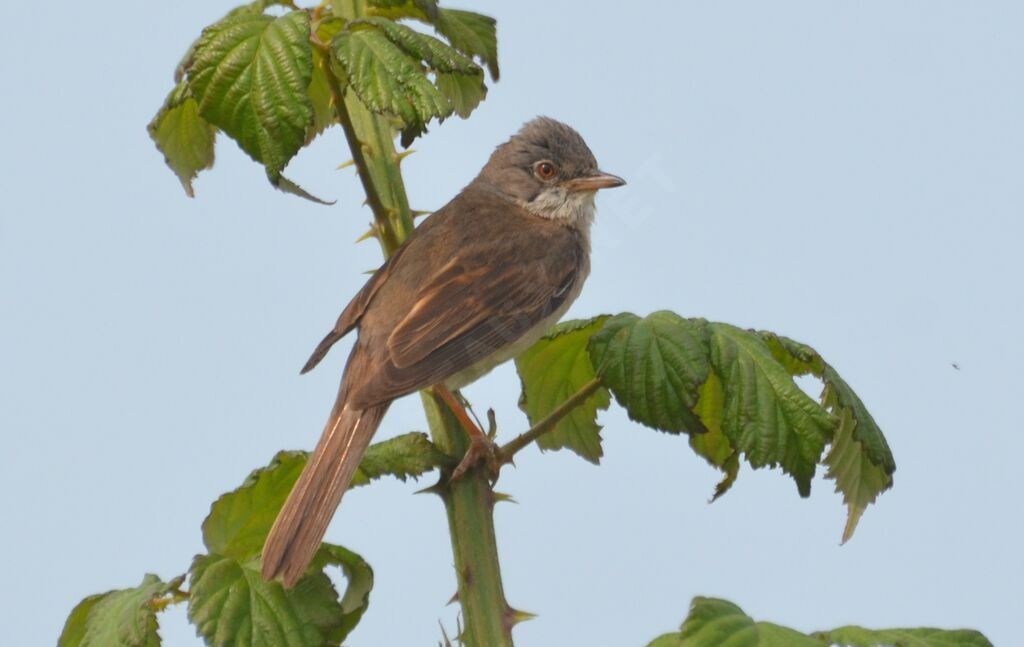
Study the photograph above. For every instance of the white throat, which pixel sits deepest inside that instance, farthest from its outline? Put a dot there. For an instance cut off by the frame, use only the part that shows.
(571, 208)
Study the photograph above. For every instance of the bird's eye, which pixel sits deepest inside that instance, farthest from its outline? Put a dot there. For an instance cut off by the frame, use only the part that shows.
(545, 170)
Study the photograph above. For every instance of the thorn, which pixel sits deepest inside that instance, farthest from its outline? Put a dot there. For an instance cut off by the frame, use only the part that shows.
(401, 156)
(455, 598)
(417, 213)
(345, 165)
(500, 497)
(515, 616)
(461, 636)
(370, 233)
(437, 488)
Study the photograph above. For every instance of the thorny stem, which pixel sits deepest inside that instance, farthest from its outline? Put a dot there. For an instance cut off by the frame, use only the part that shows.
(388, 239)
(548, 423)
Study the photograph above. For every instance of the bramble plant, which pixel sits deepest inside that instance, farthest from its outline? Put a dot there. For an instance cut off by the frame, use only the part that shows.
(273, 76)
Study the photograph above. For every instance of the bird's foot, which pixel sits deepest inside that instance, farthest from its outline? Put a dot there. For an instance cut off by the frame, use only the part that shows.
(481, 450)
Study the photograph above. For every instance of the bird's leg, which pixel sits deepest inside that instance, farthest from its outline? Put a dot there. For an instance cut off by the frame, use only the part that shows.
(481, 447)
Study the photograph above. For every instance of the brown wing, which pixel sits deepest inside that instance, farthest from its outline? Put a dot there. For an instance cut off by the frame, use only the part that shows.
(350, 316)
(478, 303)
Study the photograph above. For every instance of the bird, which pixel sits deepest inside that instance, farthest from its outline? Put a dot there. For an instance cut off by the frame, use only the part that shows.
(478, 282)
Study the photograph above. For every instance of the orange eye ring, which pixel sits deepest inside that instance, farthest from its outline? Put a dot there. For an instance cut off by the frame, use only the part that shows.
(545, 170)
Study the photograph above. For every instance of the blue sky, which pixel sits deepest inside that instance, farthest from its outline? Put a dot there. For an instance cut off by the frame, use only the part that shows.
(847, 174)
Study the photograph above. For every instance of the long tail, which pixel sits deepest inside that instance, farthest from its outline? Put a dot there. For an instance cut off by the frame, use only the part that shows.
(302, 522)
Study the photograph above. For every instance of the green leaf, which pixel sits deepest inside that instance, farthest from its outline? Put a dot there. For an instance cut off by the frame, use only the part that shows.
(78, 622)
(799, 359)
(458, 78)
(714, 446)
(425, 10)
(360, 581)
(324, 114)
(860, 460)
(231, 605)
(765, 414)
(410, 454)
(239, 521)
(667, 640)
(185, 138)
(923, 637)
(387, 80)
(857, 478)
(654, 367)
(715, 623)
(838, 395)
(250, 74)
(120, 618)
(437, 55)
(554, 369)
(472, 34)
(463, 91)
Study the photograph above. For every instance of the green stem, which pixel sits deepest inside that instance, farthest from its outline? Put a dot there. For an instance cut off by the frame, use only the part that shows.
(548, 423)
(487, 617)
(469, 502)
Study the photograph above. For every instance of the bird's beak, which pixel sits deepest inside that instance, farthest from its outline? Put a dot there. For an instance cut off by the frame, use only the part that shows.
(594, 181)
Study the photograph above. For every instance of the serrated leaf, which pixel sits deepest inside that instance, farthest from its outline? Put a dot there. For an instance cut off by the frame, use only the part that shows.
(857, 478)
(714, 622)
(654, 367)
(765, 414)
(184, 138)
(860, 460)
(386, 79)
(231, 605)
(437, 55)
(250, 74)
(425, 10)
(714, 446)
(472, 34)
(554, 369)
(838, 394)
(410, 454)
(120, 618)
(799, 359)
(324, 114)
(463, 91)
(922, 637)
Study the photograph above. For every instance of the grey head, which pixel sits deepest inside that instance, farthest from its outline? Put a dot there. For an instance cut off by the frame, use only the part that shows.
(549, 170)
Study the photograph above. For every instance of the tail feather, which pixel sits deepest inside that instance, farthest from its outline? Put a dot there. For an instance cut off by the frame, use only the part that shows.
(302, 522)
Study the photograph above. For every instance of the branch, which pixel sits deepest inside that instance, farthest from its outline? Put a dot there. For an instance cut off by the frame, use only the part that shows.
(550, 421)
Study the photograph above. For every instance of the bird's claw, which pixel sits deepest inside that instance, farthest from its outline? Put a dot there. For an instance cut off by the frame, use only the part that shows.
(481, 449)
